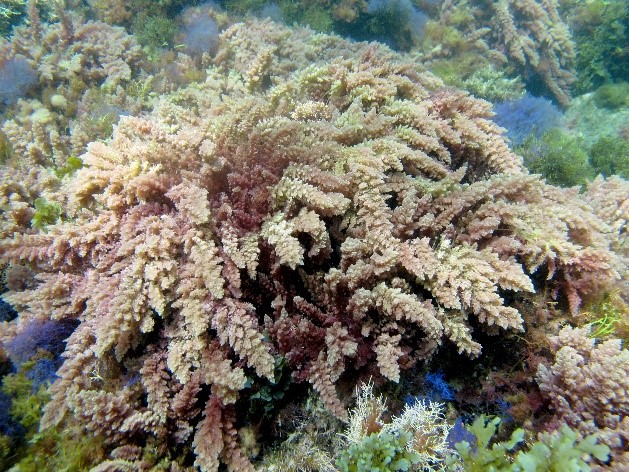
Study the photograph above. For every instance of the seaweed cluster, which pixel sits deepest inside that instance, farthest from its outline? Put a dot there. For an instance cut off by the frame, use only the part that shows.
(227, 242)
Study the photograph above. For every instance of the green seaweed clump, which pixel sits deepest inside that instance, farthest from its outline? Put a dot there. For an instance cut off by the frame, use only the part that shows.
(26, 407)
(610, 156)
(46, 213)
(155, 32)
(54, 449)
(51, 450)
(5, 450)
(12, 12)
(379, 452)
(6, 150)
(601, 31)
(612, 96)
(560, 451)
(72, 164)
(269, 396)
(558, 157)
(314, 14)
(480, 457)
(607, 317)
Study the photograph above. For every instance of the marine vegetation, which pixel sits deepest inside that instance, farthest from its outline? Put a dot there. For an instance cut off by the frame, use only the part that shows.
(525, 37)
(601, 32)
(209, 241)
(612, 96)
(559, 157)
(610, 156)
(414, 440)
(562, 450)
